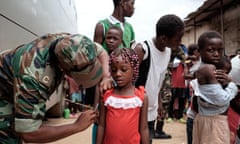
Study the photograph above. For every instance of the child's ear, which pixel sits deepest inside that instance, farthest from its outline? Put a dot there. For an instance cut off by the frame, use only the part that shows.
(163, 39)
(121, 2)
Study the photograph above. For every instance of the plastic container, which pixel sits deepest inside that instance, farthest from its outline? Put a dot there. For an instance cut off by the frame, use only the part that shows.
(66, 113)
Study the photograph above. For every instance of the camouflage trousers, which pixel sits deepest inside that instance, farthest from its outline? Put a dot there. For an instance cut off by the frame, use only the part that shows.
(165, 93)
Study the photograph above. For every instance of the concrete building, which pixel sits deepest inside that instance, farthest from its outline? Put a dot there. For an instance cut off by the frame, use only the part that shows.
(219, 15)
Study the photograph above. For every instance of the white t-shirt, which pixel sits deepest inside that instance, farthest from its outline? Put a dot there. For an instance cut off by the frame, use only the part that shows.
(157, 70)
(235, 72)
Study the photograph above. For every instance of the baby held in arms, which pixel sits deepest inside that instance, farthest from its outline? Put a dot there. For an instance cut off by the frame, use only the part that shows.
(213, 92)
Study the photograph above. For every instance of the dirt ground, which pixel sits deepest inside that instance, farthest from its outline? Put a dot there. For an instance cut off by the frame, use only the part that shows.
(175, 128)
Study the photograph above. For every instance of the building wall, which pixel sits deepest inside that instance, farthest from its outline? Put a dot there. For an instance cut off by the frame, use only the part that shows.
(191, 37)
(22, 21)
(231, 29)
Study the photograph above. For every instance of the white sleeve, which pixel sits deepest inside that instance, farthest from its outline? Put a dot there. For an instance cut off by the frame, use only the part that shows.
(215, 94)
(232, 90)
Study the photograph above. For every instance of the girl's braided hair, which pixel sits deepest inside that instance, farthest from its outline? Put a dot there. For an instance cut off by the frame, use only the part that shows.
(127, 54)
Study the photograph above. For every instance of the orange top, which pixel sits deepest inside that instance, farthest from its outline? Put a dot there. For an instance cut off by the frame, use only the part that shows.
(122, 117)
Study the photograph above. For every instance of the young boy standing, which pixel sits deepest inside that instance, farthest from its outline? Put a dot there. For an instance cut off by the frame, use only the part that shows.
(169, 31)
(114, 38)
(210, 124)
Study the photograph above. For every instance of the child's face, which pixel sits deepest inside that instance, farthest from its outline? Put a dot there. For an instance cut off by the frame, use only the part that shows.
(128, 6)
(175, 41)
(196, 53)
(113, 39)
(121, 71)
(213, 51)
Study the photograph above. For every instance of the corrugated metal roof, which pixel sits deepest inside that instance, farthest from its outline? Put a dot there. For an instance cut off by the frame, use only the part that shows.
(207, 10)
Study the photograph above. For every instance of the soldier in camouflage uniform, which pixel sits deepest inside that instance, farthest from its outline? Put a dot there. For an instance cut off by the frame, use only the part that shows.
(165, 91)
(30, 73)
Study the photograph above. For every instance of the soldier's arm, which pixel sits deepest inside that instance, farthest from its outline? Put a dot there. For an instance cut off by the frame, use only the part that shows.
(98, 33)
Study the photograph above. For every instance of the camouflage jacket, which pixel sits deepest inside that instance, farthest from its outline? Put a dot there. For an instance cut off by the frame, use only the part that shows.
(28, 76)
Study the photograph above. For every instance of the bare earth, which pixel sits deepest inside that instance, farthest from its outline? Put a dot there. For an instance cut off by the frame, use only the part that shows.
(176, 129)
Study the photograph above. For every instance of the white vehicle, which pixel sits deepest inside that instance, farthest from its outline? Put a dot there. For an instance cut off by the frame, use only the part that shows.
(21, 21)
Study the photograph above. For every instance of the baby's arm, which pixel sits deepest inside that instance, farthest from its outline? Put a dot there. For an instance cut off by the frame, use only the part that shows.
(230, 91)
(143, 125)
(215, 94)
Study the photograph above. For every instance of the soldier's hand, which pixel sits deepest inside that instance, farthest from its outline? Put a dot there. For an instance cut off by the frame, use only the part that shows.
(106, 83)
(85, 119)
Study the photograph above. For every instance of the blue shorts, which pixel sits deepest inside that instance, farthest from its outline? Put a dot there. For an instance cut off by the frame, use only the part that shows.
(76, 97)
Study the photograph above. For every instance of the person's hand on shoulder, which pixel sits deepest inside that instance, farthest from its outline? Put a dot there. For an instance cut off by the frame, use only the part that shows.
(106, 84)
(222, 77)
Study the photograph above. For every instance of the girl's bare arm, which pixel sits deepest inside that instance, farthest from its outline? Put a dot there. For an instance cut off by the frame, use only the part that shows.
(101, 124)
(143, 125)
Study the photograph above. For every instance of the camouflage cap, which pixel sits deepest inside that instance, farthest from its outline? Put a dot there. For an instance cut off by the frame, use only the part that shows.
(77, 55)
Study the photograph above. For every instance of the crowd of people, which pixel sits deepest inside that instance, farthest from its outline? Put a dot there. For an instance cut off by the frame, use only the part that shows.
(135, 86)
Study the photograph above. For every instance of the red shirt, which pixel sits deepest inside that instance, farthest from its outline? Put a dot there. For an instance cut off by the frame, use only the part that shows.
(122, 117)
(178, 80)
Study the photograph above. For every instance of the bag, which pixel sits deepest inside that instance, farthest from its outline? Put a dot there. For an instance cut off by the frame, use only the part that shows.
(144, 69)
